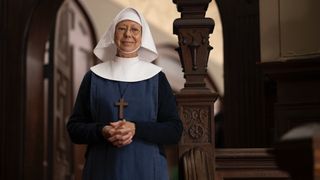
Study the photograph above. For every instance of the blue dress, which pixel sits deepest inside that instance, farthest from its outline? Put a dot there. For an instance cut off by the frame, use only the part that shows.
(148, 103)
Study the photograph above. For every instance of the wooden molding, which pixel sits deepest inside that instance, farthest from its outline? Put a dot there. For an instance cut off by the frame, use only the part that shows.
(247, 163)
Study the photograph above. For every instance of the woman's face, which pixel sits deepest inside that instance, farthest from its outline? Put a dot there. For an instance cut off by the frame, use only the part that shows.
(127, 38)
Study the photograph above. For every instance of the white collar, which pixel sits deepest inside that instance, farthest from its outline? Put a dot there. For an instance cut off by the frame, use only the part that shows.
(126, 69)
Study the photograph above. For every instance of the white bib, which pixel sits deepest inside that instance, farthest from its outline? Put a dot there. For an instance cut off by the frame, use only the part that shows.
(126, 69)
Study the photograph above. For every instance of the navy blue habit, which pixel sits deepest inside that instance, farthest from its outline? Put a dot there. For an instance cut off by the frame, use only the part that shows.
(151, 106)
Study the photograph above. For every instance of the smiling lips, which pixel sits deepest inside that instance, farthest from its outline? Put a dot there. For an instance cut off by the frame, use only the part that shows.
(127, 42)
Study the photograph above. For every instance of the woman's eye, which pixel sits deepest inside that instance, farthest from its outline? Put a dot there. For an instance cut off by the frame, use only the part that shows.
(121, 28)
(135, 31)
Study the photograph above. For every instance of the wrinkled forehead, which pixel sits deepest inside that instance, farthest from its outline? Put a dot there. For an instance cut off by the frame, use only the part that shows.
(129, 14)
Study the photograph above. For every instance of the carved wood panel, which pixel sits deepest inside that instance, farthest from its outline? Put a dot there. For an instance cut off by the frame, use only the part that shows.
(196, 124)
(196, 147)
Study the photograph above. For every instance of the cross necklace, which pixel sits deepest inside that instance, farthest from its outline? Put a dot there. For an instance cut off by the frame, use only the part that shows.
(121, 103)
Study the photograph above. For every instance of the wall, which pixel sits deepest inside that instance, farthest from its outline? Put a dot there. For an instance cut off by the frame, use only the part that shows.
(289, 28)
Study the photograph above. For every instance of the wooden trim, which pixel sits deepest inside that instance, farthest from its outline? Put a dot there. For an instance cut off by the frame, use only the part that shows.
(247, 163)
(309, 66)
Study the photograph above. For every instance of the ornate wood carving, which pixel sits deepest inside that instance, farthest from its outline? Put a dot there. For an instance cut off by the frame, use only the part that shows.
(194, 49)
(193, 31)
(196, 112)
(196, 123)
(195, 101)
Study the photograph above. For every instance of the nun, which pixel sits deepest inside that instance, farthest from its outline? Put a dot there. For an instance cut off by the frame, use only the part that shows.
(125, 111)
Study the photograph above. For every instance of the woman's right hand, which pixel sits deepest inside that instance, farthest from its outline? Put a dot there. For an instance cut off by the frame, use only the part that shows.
(107, 131)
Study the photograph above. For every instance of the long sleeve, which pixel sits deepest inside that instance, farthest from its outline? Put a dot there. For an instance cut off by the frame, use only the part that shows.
(168, 128)
(81, 128)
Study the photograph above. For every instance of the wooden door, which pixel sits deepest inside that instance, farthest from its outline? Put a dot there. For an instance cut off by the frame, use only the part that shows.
(70, 58)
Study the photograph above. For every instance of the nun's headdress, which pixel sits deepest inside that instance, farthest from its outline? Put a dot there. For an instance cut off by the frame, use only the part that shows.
(106, 48)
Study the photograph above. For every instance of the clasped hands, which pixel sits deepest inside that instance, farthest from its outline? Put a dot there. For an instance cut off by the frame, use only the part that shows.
(119, 133)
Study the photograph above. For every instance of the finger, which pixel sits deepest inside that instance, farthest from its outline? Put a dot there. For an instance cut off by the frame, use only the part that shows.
(115, 138)
(125, 137)
(124, 131)
(117, 124)
(130, 125)
(117, 143)
(125, 140)
(112, 133)
(108, 131)
(124, 143)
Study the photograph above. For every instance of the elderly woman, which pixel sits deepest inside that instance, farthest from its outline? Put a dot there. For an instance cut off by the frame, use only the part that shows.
(125, 110)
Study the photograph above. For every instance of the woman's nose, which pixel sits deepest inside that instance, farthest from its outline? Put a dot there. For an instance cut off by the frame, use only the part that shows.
(128, 32)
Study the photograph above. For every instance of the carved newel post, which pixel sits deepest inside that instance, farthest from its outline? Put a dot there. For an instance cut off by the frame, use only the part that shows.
(195, 101)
